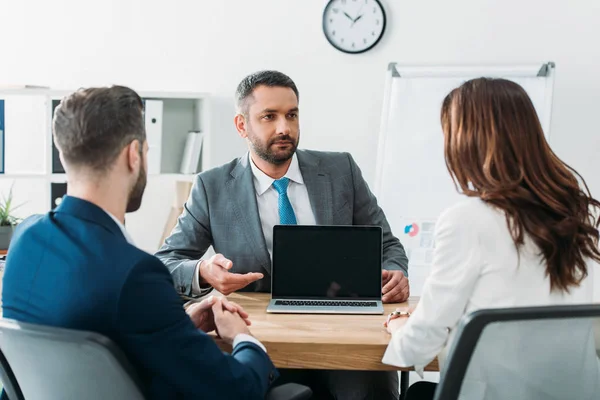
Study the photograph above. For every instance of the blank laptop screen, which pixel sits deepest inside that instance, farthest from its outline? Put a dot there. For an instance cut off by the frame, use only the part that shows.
(342, 262)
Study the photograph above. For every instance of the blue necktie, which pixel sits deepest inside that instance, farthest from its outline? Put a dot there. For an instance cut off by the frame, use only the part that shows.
(286, 212)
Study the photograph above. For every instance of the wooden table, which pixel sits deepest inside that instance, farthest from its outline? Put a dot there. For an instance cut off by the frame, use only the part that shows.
(309, 341)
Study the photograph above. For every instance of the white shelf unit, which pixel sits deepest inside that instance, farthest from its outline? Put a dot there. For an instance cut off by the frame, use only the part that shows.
(29, 165)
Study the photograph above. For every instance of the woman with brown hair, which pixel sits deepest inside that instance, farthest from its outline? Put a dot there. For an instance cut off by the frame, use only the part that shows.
(527, 235)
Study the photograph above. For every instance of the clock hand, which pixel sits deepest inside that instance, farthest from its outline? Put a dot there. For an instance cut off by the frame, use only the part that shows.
(349, 17)
(358, 13)
(354, 21)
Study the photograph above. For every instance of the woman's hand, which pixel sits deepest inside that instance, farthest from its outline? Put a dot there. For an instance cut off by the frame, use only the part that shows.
(397, 319)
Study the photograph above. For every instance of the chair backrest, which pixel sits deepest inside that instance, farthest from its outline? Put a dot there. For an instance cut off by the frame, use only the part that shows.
(524, 353)
(57, 363)
(9, 381)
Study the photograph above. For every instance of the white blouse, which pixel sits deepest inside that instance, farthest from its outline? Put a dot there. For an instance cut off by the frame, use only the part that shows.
(476, 265)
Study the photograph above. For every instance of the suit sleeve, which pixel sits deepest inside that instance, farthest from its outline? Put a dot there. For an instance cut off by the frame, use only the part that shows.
(368, 212)
(162, 341)
(188, 241)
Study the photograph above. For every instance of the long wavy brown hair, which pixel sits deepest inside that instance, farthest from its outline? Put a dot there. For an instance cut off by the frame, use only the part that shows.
(495, 149)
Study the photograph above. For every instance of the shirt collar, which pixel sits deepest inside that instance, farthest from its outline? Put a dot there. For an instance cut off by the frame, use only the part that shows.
(122, 228)
(262, 181)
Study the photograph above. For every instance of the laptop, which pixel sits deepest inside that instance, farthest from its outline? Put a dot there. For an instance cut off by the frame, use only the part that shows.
(326, 269)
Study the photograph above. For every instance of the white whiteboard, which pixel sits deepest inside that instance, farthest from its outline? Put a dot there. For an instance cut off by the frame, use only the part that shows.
(412, 183)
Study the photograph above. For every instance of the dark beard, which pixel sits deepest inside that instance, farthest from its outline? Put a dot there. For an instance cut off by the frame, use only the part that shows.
(137, 192)
(265, 153)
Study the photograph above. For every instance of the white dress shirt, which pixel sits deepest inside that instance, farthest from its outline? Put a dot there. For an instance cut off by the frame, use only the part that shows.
(268, 199)
(475, 266)
(196, 289)
(239, 338)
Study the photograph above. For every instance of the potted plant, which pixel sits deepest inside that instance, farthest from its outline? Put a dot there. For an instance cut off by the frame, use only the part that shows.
(7, 220)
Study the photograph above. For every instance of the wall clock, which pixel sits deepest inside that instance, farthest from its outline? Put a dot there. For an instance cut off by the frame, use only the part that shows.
(354, 26)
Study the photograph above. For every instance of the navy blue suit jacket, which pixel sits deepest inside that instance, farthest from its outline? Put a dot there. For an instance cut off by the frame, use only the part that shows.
(73, 268)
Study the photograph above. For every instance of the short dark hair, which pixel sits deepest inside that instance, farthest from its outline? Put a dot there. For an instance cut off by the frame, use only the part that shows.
(91, 126)
(261, 78)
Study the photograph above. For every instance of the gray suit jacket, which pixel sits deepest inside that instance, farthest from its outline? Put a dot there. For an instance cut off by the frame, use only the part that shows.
(222, 211)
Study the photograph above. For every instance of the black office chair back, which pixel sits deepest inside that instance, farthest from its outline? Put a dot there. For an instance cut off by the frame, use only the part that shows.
(8, 379)
(551, 348)
(55, 363)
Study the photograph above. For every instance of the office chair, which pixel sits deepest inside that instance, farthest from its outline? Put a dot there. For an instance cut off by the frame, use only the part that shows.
(552, 347)
(58, 363)
(9, 382)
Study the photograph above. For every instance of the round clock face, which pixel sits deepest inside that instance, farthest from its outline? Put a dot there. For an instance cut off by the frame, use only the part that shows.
(353, 26)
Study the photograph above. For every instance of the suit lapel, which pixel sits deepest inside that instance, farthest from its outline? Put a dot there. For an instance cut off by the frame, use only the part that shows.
(318, 185)
(241, 189)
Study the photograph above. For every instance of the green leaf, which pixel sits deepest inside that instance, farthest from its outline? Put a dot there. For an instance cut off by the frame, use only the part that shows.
(6, 210)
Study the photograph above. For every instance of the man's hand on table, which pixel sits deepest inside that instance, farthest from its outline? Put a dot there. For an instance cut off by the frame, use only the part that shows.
(395, 287)
(229, 324)
(203, 316)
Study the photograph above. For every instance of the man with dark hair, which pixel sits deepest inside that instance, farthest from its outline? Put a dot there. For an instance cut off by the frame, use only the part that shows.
(76, 267)
(234, 208)
(245, 89)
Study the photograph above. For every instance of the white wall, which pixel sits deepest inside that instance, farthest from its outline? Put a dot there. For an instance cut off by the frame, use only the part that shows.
(209, 45)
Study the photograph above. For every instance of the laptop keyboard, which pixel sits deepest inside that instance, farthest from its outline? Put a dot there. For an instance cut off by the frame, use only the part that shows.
(325, 303)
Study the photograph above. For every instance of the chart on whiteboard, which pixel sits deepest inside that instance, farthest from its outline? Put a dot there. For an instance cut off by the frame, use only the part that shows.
(417, 237)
